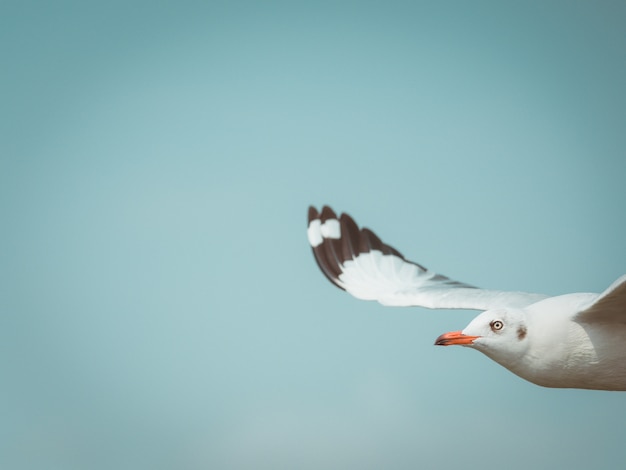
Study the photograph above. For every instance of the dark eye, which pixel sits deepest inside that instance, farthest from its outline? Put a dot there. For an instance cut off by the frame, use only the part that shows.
(496, 325)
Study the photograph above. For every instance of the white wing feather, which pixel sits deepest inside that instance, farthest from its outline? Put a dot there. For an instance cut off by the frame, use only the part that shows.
(609, 306)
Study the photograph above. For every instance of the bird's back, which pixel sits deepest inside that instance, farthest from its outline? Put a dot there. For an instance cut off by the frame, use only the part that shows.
(570, 353)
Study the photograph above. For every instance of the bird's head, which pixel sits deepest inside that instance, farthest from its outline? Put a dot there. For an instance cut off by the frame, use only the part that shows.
(500, 334)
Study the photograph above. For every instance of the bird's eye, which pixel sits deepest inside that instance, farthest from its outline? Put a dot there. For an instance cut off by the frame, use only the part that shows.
(496, 325)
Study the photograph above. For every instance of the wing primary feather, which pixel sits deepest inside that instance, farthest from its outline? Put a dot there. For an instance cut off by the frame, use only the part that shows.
(349, 238)
(313, 214)
(331, 245)
(322, 263)
(327, 265)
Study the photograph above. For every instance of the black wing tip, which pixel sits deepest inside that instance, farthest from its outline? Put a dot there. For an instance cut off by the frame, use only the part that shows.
(328, 269)
(327, 213)
(322, 246)
(362, 240)
(313, 214)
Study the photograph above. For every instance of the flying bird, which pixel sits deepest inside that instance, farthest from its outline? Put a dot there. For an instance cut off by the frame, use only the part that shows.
(568, 341)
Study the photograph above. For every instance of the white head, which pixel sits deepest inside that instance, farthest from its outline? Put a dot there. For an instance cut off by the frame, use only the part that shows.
(501, 334)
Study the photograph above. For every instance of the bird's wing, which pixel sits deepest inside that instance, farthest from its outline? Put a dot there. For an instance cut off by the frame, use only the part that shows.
(609, 306)
(357, 261)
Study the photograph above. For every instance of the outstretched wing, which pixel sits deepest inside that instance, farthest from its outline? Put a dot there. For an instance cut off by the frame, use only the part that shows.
(609, 306)
(357, 261)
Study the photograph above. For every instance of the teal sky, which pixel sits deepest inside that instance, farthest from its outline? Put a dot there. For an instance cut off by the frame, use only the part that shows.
(159, 305)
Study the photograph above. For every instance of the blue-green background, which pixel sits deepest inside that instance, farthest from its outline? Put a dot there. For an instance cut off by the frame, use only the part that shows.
(159, 304)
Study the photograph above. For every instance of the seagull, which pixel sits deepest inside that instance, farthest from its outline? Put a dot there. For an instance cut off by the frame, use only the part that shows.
(567, 341)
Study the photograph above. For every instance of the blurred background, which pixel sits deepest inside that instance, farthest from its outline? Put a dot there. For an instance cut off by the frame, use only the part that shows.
(159, 304)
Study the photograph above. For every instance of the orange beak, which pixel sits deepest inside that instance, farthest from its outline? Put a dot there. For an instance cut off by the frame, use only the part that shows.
(454, 337)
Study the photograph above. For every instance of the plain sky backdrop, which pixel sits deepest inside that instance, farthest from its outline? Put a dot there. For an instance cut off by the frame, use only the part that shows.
(159, 304)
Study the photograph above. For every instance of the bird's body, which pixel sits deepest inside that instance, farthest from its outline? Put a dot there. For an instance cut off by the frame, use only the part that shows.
(568, 341)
